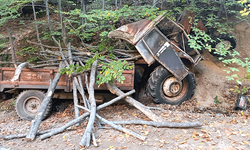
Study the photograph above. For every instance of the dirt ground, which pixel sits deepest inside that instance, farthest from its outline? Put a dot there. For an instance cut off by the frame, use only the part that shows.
(222, 127)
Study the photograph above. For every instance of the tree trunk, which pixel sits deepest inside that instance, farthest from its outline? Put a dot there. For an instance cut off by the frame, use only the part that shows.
(64, 35)
(37, 32)
(12, 48)
(103, 5)
(47, 13)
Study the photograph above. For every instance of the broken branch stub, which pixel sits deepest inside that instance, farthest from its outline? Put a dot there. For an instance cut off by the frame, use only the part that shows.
(18, 71)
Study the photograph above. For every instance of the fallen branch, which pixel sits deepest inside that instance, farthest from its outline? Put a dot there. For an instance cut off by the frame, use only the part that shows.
(85, 141)
(18, 71)
(113, 89)
(44, 65)
(161, 124)
(15, 136)
(38, 119)
(79, 119)
(116, 126)
(121, 128)
(132, 58)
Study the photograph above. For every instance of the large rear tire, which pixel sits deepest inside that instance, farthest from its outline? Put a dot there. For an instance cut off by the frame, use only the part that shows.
(163, 87)
(28, 104)
(227, 41)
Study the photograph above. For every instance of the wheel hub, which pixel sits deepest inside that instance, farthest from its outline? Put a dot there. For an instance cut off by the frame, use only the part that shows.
(172, 87)
(32, 105)
(225, 43)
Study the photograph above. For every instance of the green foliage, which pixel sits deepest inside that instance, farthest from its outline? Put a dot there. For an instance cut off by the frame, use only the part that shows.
(199, 40)
(217, 100)
(111, 71)
(108, 73)
(9, 9)
(98, 21)
(233, 75)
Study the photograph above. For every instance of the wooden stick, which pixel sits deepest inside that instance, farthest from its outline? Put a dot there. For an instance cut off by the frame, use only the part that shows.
(12, 48)
(94, 139)
(113, 89)
(161, 124)
(38, 119)
(79, 119)
(85, 141)
(133, 58)
(15, 136)
(120, 128)
(18, 71)
(43, 65)
(8, 62)
(116, 126)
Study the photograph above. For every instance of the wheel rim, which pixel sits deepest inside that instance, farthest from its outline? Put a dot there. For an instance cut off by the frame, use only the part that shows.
(225, 43)
(31, 105)
(173, 89)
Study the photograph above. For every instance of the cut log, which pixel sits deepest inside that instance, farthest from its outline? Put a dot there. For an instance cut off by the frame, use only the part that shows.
(113, 89)
(37, 121)
(79, 119)
(18, 71)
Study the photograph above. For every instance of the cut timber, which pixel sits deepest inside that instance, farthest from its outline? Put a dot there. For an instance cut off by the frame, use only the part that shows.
(38, 119)
(79, 119)
(113, 89)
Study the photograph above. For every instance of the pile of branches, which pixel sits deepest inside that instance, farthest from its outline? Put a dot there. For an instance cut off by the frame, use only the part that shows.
(71, 56)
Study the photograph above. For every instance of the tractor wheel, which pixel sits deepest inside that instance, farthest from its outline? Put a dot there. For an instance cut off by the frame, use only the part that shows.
(28, 104)
(163, 87)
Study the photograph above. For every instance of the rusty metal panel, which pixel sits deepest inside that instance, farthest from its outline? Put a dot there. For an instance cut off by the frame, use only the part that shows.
(164, 52)
(40, 79)
(186, 19)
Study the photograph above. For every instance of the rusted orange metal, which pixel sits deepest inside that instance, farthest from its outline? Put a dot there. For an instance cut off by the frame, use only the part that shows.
(40, 79)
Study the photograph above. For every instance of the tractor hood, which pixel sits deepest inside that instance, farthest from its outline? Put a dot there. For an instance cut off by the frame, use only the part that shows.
(133, 32)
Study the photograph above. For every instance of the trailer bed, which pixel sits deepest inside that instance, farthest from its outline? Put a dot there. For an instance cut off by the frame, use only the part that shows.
(40, 79)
